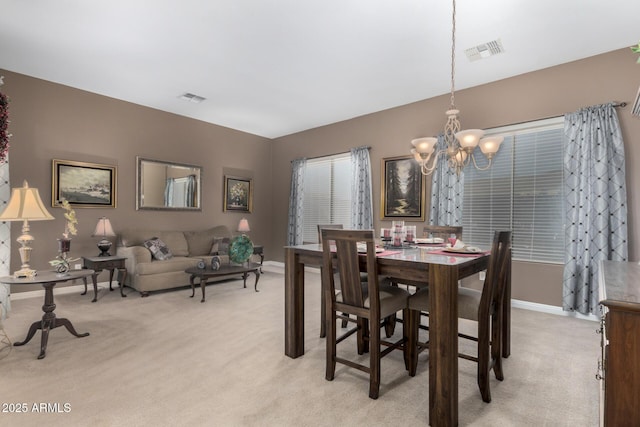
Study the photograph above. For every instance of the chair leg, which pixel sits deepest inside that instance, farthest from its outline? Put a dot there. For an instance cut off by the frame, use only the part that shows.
(496, 344)
(323, 314)
(374, 362)
(390, 325)
(413, 321)
(331, 349)
(483, 361)
(362, 334)
(405, 338)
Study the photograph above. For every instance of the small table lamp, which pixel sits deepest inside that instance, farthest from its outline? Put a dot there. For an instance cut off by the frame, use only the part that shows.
(25, 205)
(104, 229)
(243, 226)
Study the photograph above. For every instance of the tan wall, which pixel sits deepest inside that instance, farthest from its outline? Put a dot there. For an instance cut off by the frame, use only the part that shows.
(613, 76)
(51, 121)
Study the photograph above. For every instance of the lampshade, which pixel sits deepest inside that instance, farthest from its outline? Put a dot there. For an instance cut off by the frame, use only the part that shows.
(103, 228)
(25, 203)
(243, 226)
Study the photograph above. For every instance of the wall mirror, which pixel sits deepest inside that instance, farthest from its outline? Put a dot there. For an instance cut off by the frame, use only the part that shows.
(168, 185)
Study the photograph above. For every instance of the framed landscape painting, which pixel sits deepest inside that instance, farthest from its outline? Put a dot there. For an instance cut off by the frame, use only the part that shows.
(403, 189)
(83, 184)
(238, 194)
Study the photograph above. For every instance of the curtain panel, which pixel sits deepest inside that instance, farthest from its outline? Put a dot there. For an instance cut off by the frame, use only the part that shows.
(447, 192)
(361, 189)
(596, 198)
(295, 230)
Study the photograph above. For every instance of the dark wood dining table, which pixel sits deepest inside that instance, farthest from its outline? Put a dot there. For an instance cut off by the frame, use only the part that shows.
(441, 273)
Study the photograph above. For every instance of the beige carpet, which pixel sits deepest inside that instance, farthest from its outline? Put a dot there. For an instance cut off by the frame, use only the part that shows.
(168, 360)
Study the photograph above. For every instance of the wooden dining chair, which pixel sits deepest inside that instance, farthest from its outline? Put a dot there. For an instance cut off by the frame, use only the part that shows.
(483, 307)
(370, 308)
(323, 303)
(442, 231)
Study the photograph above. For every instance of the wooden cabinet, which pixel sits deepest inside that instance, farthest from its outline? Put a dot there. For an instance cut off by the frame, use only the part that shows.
(619, 367)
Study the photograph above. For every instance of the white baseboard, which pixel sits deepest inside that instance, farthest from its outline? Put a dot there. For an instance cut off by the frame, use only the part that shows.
(526, 305)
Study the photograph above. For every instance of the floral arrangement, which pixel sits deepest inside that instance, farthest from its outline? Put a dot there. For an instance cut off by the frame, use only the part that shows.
(238, 193)
(70, 216)
(4, 124)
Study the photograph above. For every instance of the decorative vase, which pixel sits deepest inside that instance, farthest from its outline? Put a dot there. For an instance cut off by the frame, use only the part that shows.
(64, 245)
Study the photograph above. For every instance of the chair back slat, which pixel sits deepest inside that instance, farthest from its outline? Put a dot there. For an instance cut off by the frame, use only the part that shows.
(327, 226)
(497, 274)
(442, 231)
(347, 261)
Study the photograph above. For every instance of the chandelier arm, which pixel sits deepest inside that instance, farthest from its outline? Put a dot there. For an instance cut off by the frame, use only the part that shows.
(453, 55)
(478, 167)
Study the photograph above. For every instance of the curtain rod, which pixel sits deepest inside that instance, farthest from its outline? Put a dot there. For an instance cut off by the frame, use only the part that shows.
(333, 154)
(616, 104)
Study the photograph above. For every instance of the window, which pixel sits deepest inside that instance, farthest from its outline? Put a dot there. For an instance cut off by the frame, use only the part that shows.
(327, 193)
(522, 192)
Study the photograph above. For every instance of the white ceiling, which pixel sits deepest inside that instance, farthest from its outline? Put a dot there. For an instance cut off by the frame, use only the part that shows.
(276, 67)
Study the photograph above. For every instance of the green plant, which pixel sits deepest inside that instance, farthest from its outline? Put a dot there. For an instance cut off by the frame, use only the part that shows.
(636, 49)
(70, 216)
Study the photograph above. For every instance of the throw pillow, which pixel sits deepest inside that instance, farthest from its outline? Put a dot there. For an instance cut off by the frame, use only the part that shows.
(220, 246)
(158, 249)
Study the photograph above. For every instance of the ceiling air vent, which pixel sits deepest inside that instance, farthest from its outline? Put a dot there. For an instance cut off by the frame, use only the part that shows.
(192, 98)
(484, 50)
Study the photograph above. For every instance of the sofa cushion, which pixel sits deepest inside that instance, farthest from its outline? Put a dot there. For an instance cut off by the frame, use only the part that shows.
(201, 241)
(158, 249)
(166, 266)
(175, 240)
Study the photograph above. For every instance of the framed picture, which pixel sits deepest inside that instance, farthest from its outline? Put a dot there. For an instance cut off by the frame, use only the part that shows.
(238, 194)
(403, 189)
(84, 185)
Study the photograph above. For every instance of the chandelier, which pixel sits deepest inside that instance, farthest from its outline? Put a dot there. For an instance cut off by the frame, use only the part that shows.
(459, 143)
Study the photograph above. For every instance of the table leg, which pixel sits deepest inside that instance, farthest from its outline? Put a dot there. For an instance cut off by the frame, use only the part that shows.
(443, 345)
(203, 283)
(244, 277)
(121, 280)
(506, 316)
(293, 304)
(257, 273)
(193, 288)
(111, 278)
(48, 322)
(94, 279)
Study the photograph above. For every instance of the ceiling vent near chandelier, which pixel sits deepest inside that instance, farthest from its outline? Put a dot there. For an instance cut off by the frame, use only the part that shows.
(484, 50)
(192, 98)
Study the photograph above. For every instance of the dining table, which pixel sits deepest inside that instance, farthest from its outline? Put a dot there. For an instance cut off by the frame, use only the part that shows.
(432, 267)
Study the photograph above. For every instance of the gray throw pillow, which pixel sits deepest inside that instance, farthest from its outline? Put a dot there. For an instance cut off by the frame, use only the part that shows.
(220, 246)
(158, 249)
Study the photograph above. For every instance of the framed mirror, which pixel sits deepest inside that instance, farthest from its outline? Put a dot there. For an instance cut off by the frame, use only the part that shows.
(168, 186)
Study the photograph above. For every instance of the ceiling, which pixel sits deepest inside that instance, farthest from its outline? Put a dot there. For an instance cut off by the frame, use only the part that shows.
(276, 67)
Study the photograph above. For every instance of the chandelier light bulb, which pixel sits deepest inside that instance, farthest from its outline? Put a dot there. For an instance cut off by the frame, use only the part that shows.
(469, 138)
(490, 145)
(424, 145)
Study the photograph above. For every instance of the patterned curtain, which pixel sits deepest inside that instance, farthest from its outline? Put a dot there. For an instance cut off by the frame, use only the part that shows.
(361, 192)
(447, 192)
(296, 198)
(596, 198)
(5, 240)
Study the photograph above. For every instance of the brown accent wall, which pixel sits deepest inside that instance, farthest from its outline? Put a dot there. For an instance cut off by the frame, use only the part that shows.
(613, 76)
(52, 121)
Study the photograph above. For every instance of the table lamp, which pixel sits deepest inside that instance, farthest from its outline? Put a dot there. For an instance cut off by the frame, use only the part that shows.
(25, 205)
(104, 229)
(243, 226)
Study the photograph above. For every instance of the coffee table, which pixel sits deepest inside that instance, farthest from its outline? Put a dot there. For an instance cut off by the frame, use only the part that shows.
(203, 274)
(48, 279)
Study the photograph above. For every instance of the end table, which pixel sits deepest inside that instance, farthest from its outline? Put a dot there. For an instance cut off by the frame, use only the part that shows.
(99, 263)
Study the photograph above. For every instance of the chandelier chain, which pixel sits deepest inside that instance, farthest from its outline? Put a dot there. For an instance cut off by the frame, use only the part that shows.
(453, 55)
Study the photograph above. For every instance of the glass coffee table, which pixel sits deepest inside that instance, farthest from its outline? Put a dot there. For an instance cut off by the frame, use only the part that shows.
(203, 274)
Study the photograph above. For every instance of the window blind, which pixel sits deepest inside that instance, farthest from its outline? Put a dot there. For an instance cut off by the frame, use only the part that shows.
(327, 193)
(522, 192)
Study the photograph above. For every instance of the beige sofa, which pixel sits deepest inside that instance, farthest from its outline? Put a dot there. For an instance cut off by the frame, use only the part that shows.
(146, 274)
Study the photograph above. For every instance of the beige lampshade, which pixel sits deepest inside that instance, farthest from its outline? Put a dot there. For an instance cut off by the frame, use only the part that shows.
(103, 228)
(25, 203)
(243, 226)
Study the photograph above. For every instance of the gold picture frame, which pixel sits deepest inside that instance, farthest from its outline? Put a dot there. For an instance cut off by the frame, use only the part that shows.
(82, 184)
(403, 189)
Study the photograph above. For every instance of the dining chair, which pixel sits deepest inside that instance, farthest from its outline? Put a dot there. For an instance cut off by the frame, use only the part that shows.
(442, 231)
(483, 307)
(370, 308)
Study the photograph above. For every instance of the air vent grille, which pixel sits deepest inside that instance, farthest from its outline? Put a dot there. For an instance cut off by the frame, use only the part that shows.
(484, 50)
(192, 98)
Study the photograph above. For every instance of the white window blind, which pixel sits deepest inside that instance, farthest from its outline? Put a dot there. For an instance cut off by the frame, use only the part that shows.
(327, 193)
(522, 192)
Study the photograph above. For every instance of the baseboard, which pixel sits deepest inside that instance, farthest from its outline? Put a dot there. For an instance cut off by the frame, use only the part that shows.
(525, 305)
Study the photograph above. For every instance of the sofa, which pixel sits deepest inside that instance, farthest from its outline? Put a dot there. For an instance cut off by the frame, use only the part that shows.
(146, 273)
